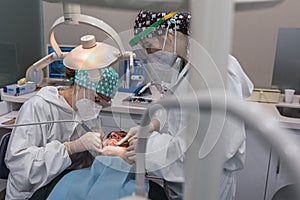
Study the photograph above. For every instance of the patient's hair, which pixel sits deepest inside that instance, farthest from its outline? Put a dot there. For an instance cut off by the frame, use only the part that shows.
(122, 134)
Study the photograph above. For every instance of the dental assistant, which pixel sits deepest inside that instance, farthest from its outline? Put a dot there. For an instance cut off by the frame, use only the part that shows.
(167, 45)
(38, 155)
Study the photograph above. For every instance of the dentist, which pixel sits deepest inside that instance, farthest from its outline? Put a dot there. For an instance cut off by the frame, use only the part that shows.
(165, 38)
(39, 155)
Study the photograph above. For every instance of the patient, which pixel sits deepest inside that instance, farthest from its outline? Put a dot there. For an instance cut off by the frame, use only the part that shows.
(114, 137)
(111, 171)
(110, 148)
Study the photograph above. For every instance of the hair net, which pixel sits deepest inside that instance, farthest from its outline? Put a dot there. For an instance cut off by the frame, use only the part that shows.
(145, 19)
(106, 86)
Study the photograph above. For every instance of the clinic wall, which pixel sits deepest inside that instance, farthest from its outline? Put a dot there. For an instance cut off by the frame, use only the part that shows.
(254, 32)
(21, 38)
(255, 38)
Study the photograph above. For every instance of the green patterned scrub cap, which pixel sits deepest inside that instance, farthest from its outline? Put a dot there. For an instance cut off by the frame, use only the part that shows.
(107, 85)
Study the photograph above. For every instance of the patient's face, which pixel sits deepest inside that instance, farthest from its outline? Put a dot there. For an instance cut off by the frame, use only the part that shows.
(114, 137)
(110, 148)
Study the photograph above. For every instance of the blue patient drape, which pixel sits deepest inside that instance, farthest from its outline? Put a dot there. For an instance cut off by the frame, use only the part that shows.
(108, 178)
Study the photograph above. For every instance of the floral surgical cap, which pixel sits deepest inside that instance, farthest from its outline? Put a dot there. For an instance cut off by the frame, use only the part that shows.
(106, 86)
(145, 19)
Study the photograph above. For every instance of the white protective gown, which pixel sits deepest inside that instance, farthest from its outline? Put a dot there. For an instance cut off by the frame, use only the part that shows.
(173, 139)
(35, 153)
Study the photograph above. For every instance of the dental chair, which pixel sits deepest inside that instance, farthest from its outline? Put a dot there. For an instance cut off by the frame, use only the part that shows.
(4, 171)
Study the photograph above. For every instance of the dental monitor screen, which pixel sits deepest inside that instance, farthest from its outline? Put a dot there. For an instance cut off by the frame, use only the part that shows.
(286, 73)
(56, 71)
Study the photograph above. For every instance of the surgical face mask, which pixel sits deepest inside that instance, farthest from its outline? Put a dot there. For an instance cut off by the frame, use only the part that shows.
(164, 58)
(88, 109)
(160, 63)
(160, 66)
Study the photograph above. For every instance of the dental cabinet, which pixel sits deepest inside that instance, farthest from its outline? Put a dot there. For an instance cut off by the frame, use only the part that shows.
(279, 178)
(251, 181)
(265, 174)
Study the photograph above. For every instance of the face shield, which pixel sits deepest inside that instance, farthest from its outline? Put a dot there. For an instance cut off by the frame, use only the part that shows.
(86, 104)
(157, 47)
(91, 96)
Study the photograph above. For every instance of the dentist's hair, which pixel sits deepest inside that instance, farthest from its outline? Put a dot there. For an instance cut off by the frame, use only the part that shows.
(144, 19)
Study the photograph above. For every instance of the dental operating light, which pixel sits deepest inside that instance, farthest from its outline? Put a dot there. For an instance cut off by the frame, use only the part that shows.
(90, 55)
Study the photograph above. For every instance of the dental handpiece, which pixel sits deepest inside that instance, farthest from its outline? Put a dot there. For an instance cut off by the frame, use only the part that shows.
(85, 127)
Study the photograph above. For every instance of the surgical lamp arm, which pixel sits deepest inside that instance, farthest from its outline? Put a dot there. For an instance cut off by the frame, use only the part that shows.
(150, 4)
(85, 19)
(262, 122)
(40, 64)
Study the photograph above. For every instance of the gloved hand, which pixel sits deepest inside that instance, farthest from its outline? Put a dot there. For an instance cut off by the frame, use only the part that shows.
(98, 130)
(130, 154)
(132, 133)
(89, 141)
(116, 151)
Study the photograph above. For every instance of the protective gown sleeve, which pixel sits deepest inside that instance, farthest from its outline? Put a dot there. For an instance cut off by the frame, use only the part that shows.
(166, 150)
(240, 86)
(33, 157)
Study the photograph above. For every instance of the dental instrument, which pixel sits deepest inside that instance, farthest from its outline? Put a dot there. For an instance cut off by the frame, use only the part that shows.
(144, 88)
(83, 125)
(127, 75)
